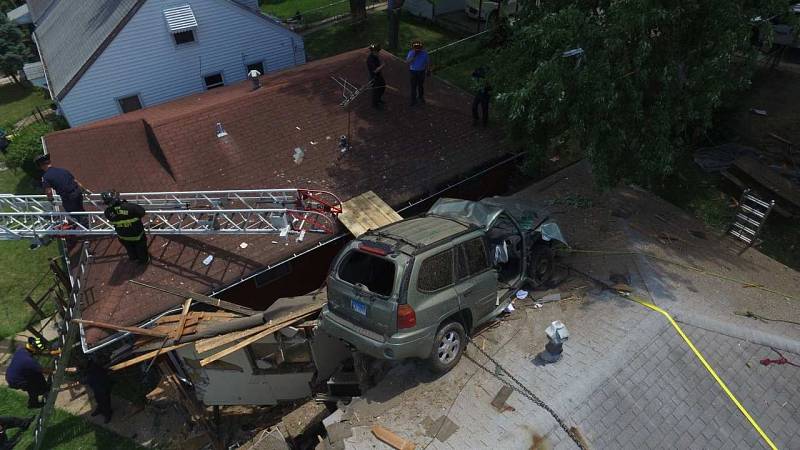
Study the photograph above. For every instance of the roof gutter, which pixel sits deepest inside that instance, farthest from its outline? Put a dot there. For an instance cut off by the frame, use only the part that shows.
(119, 336)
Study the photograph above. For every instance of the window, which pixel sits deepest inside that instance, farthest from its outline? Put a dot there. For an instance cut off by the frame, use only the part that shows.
(475, 252)
(214, 81)
(436, 272)
(373, 272)
(128, 104)
(259, 66)
(462, 270)
(183, 37)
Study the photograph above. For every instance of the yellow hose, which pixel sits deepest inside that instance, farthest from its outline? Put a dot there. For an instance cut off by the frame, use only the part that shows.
(708, 367)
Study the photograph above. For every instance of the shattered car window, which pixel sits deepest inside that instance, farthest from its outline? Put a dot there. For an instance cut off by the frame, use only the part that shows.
(373, 272)
(476, 255)
(436, 272)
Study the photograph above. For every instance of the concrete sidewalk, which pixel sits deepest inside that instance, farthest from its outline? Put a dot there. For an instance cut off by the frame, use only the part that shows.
(627, 380)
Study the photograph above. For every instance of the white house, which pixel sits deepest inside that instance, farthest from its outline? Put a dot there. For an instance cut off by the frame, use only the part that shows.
(108, 57)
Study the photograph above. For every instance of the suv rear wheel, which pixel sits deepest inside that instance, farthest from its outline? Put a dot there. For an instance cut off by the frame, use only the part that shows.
(448, 346)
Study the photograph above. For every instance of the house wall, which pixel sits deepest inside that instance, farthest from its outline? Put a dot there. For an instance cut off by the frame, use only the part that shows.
(144, 59)
(425, 8)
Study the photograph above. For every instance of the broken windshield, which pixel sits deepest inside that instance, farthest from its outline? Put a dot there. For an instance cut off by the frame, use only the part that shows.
(371, 271)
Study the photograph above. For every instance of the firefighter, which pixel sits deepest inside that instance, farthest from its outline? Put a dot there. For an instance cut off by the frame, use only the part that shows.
(375, 68)
(127, 220)
(65, 185)
(26, 374)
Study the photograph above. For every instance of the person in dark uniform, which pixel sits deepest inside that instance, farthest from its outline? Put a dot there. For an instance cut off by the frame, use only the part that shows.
(8, 423)
(127, 220)
(375, 69)
(96, 377)
(417, 60)
(65, 185)
(483, 93)
(26, 374)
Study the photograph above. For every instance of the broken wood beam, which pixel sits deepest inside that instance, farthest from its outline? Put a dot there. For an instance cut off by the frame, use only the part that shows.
(111, 326)
(200, 298)
(146, 356)
(391, 439)
(266, 332)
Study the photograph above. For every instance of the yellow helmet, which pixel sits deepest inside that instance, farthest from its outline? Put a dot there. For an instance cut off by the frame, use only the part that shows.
(35, 345)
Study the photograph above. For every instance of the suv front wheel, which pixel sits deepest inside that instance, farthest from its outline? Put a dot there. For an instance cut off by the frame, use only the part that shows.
(448, 346)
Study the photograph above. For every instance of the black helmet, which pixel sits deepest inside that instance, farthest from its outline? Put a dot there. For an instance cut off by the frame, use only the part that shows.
(375, 47)
(42, 159)
(110, 197)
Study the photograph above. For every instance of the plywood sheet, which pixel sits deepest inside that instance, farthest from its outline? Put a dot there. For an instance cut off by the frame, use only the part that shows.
(366, 212)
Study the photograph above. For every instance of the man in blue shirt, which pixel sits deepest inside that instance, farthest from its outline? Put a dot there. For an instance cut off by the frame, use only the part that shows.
(65, 185)
(417, 60)
(26, 374)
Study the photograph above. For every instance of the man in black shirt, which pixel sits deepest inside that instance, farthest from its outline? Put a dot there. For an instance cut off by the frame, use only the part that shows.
(127, 220)
(65, 185)
(375, 68)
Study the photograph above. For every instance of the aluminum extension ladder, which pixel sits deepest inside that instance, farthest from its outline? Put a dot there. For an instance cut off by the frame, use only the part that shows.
(749, 219)
(254, 211)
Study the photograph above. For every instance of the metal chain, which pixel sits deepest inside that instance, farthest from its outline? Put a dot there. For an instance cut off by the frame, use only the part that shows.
(525, 392)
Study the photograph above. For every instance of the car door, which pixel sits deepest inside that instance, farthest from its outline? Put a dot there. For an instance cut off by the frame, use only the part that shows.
(477, 281)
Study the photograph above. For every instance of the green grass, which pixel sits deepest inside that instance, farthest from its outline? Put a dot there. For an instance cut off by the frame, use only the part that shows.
(343, 37)
(22, 267)
(64, 431)
(18, 102)
(311, 10)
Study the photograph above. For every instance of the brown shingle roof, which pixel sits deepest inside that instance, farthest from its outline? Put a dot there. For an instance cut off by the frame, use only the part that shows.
(401, 153)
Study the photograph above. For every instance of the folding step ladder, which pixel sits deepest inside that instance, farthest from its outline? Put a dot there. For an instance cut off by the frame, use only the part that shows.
(254, 211)
(750, 218)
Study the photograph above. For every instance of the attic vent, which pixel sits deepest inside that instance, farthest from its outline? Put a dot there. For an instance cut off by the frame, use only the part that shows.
(221, 133)
(180, 18)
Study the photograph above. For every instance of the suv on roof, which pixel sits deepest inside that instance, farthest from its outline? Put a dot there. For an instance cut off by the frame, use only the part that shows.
(417, 287)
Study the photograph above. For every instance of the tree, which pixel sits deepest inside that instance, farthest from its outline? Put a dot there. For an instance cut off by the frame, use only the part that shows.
(13, 51)
(631, 83)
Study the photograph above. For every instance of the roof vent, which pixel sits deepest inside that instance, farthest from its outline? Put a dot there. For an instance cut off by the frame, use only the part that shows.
(221, 133)
(253, 76)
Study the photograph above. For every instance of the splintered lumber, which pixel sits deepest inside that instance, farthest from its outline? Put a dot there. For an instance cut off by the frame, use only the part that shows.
(271, 327)
(200, 298)
(205, 345)
(146, 356)
(182, 323)
(111, 326)
(391, 439)
(366, 212)
(201, 315)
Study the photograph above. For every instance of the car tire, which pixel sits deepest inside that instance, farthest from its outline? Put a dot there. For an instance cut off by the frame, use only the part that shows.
(541, 265)
(448, 346)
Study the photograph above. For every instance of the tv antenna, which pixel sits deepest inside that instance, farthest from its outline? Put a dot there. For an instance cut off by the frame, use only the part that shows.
(350, 92)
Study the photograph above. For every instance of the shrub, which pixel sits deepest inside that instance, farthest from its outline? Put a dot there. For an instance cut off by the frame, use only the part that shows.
(26, 146)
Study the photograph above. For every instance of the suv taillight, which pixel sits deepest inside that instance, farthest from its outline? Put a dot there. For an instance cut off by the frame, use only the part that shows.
(406, 317)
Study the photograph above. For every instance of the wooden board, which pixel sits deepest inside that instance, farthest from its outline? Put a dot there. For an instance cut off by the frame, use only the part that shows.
(769, 179)
(366, 212)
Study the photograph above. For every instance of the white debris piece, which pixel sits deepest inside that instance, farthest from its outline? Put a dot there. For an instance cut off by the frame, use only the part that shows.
(208, 259)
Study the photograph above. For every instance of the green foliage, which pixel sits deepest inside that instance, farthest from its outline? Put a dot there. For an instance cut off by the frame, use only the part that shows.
(13, 51)
(25, 146)
(651, 74)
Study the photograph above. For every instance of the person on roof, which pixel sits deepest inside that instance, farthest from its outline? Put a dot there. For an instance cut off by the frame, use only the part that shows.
(375, 69)
(127, 220)
(63, 183)
(26, 374)
(483, 93)
(417, 60)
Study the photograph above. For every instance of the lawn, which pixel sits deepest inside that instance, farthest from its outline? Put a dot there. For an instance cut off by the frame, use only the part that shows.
(310, 10)
(18, 102)
(343, 37)
(64, 431)
(22, 267)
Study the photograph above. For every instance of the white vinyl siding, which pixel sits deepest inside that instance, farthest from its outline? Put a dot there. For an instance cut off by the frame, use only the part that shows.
(144, 58)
